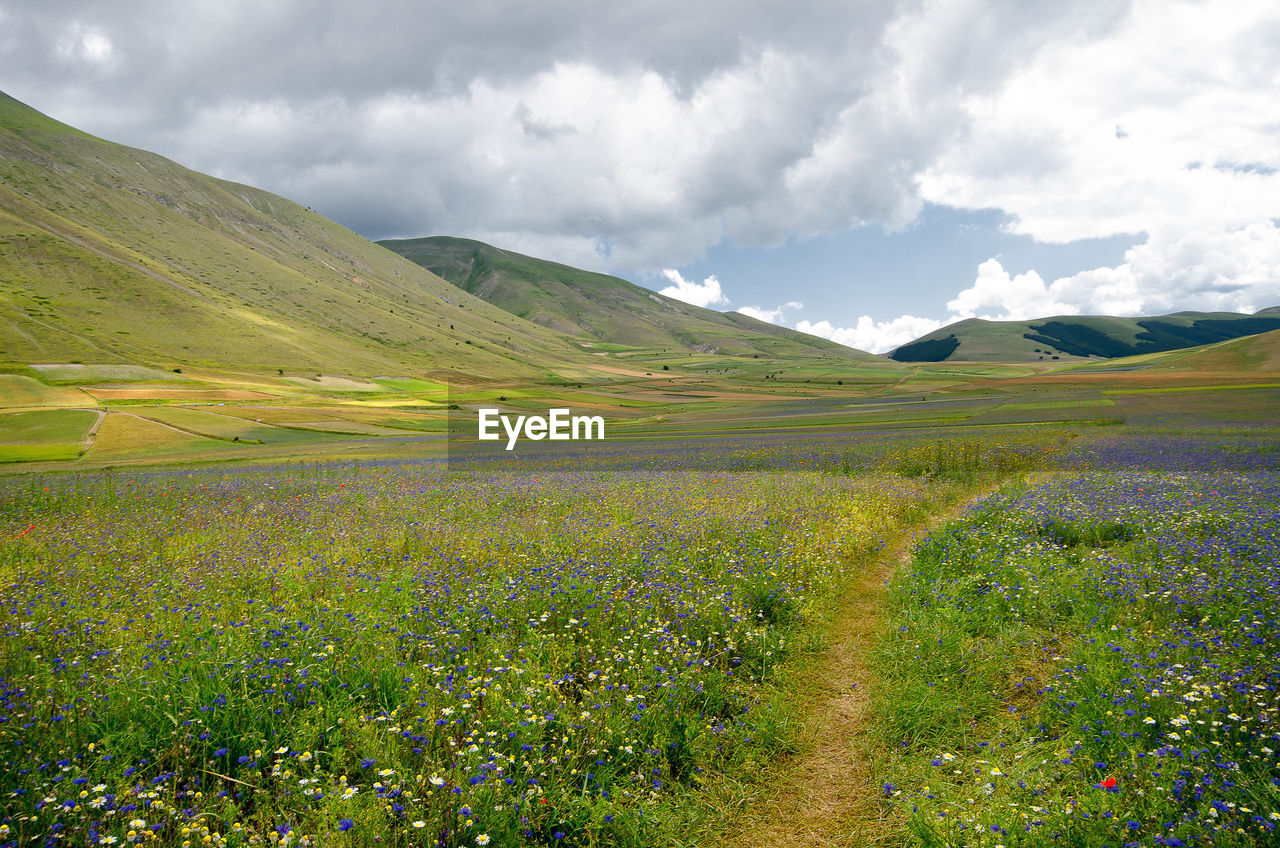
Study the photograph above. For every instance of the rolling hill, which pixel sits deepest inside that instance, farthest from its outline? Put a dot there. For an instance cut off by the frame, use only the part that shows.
(1070, 337)
(110, 254)
(1256, 354)
(599, 308)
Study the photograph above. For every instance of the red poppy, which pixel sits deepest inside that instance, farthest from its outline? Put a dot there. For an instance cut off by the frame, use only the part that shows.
(1109, 782)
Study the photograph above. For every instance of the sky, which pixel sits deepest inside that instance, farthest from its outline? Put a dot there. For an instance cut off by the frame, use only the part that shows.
(864, 171)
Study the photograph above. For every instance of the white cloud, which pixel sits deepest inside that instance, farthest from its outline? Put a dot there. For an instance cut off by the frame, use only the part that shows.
(707, 293)
(772, 316)
(1211, 270)
(1187, 83)
(996, 296)
(870, 335)
(1235, 270)
(1162, 126)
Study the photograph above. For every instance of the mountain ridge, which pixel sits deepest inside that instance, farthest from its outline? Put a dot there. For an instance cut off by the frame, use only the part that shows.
(598, 308)
(1076, 337)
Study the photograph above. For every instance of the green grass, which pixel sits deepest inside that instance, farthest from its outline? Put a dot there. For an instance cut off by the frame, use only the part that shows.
(411, 384)
(257, 639)
(55, 425)
(17, 116)
(17, 390)
(1059, 404)
(604, 313)
(39, 452)
(218, 426)
(983, 340)
(75, 373)
(1079, 664)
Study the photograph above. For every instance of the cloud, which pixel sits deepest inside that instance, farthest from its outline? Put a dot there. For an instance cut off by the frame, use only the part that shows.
(1211, 270)
(88, 46)
(1092, 137)
(632, 136)
(640, 133)
(870, 335)
(1095, 137)
(996, 296)
(707, 293)
(1235, 270)
(772, 316)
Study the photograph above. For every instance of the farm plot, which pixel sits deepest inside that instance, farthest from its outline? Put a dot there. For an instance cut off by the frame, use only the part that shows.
(47, 434)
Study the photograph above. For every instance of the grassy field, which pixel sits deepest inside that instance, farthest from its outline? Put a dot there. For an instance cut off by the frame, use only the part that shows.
(246, 416)
(44, 435)
(398, 656)
(1092, 661)
(266, 609)
(403, 655)
(619, 647)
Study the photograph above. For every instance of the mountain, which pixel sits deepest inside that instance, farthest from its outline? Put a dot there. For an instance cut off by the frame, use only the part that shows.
(598, 308)
(1081, 336)
(1255, 355)
(110, 254)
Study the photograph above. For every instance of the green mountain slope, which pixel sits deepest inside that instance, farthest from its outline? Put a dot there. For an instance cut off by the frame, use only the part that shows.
(110, 254)
(599, 308)
(1081, 336)
(1257, 354)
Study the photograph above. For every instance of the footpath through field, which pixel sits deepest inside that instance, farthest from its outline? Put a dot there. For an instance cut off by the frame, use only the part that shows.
(826, 795)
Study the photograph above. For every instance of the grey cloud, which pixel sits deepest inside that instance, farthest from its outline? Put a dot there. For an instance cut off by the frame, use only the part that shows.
(401, 118)
(540, 130)
(1260, 168)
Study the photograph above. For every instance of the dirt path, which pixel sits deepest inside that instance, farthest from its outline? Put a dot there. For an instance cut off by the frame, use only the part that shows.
(826, 795)
(90, 436)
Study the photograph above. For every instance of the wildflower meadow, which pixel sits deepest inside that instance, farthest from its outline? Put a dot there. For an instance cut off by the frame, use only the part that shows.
(1093, 660)
(398, 655)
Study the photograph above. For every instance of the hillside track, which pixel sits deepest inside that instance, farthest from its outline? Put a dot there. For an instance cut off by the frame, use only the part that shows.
(826, 794)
